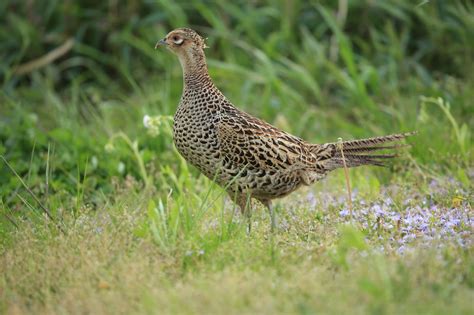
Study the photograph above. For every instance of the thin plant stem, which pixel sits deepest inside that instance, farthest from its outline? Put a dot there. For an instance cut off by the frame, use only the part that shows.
(346, 174)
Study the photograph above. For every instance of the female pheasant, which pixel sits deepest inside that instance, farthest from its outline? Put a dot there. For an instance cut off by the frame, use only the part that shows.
(247, 156)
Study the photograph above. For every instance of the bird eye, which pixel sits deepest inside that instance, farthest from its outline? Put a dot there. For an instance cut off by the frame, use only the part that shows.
(177, 40)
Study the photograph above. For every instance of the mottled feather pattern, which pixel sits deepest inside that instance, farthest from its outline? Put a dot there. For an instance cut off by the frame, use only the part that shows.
(245, 154)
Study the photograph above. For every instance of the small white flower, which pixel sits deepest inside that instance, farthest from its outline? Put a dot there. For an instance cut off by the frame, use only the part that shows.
(94, 161)
(152, 123)
(121, 167)
(146, 121)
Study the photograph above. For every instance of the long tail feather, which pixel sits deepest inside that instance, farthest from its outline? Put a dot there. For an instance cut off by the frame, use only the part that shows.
(363, 152)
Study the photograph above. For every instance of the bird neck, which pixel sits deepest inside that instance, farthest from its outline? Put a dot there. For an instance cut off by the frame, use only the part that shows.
(195, 73)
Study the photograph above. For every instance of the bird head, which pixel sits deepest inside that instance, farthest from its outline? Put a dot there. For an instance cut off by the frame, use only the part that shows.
(182, 41)
(189, 47)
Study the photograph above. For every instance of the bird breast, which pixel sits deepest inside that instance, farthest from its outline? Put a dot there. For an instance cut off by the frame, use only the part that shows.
(195, 137)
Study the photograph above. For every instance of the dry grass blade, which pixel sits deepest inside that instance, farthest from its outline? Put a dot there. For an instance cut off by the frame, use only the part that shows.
(46, 59)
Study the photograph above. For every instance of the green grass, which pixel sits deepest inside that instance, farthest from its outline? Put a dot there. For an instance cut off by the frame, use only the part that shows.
(145, 233)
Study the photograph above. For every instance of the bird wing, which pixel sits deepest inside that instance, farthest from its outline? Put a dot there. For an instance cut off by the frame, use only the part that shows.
(249, 141)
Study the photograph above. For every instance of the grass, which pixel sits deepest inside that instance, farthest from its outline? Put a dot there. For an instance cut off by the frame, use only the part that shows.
(126, 258)
(145, 233)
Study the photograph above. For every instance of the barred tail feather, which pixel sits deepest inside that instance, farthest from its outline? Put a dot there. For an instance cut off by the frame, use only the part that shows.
(365, 151)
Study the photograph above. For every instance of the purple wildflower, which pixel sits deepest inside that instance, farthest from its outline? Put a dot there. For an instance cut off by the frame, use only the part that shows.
(344, 213)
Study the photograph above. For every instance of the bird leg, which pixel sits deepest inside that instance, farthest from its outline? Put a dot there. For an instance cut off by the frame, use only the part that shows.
(247, 210)
(268, 204)
(245, 205)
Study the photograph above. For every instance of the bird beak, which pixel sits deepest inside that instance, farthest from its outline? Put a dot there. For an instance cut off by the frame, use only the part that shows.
(161, 42)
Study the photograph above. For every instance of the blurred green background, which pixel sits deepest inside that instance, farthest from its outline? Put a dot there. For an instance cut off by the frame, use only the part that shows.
(74, 73)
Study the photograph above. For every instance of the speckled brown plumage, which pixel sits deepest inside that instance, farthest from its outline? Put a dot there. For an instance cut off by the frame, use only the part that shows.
(244, 154)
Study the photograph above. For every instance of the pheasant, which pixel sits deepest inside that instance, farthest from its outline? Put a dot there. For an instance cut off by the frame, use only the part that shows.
(247, 156)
